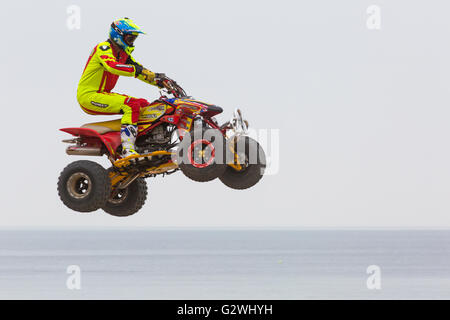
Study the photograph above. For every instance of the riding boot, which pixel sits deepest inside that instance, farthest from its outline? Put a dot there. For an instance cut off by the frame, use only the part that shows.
(128, 134)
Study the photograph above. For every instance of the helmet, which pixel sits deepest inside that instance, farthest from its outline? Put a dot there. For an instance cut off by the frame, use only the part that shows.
(123, 32)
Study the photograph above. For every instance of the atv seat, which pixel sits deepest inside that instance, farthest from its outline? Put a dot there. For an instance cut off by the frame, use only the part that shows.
(104, 126)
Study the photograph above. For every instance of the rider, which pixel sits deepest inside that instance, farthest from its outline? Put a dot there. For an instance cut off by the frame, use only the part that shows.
(107, 61)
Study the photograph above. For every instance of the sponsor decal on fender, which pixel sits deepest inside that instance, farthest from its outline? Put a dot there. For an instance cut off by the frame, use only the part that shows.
(159, 108)
(149, 116)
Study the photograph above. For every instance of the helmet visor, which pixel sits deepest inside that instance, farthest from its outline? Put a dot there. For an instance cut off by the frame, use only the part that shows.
(129, 39)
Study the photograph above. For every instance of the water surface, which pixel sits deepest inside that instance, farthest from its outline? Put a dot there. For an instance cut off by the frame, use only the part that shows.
(225, 264)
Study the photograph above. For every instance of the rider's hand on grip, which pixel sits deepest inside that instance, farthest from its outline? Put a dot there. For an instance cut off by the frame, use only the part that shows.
(148, 75)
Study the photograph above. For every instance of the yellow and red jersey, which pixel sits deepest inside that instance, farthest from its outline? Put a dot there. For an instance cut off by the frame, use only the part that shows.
(100, 75)
(103, 68)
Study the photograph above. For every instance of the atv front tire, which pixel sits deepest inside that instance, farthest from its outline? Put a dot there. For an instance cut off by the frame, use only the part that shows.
(202, 158)
(253, 163)
(84, 186)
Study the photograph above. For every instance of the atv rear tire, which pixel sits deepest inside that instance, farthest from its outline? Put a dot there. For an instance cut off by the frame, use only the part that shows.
(128, 201)
(253, 162)
(202, 168)
(84, 186)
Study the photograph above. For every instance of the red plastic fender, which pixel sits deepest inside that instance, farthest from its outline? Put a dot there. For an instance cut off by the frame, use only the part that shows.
(111, 140)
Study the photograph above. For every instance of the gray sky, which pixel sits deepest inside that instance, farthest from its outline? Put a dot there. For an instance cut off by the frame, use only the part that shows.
(363, 114)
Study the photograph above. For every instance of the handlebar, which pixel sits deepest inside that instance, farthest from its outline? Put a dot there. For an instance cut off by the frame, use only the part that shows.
(173, 88)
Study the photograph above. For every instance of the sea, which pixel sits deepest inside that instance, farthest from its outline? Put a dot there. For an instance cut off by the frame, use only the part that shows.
(224, 264)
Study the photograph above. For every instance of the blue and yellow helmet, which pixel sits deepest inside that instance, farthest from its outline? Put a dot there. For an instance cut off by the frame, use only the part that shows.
(120, 30)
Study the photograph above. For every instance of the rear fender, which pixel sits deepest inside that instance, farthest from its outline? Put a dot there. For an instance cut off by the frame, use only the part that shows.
(111, 140)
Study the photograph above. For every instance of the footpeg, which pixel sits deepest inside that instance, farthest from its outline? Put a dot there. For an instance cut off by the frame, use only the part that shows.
(138, 158)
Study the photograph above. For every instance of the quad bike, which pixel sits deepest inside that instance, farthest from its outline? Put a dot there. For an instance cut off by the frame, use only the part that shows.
(174, 133)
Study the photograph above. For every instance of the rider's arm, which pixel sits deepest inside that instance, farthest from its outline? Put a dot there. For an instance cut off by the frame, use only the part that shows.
(109, 61)
(141, 72)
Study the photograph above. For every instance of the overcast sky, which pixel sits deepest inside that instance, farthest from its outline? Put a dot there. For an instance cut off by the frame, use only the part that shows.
(363, 115)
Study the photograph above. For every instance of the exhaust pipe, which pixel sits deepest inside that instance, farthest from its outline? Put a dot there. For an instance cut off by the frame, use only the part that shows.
(83, 151)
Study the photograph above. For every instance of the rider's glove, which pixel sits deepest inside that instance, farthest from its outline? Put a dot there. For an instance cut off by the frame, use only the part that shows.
(147, 75)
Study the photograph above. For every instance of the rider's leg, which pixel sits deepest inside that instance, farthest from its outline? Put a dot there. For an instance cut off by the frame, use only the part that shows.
(102, 103)
(129, 130)
(113, 103)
